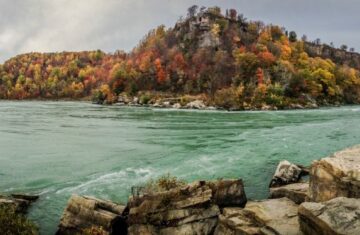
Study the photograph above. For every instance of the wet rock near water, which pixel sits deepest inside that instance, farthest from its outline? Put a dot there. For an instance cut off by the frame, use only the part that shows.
(173, 103)
(287, 182)
(287, 173)
(272, 216)
(124, 99)
(337, 216)
(197, 104)
(20, 202)
(336, 176)
(84, 212)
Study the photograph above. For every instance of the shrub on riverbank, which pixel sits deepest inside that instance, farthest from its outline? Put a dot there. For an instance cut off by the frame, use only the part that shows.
(163, 183)
(14, 223)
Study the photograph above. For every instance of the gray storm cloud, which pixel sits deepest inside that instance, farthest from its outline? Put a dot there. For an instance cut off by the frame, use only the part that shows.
(73, 25)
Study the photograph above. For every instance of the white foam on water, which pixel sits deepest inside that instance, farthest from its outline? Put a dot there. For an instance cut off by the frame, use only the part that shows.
(204, 164)
(129, 176)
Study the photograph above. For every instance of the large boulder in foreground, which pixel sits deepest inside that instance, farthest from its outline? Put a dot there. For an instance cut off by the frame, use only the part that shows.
(228, 192)
(200, 227)
(190, 209)
(337, 216)
(336, 176)
(287, 173)
(297, 192)
(84, 212)
(272, 216)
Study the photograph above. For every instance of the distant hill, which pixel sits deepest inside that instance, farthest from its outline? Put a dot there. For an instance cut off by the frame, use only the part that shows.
(233, 62)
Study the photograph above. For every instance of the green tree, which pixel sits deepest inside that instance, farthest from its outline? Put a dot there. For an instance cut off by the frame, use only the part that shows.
(292, 36)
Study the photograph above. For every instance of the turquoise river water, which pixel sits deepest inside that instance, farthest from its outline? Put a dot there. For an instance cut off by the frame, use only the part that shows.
(56, 149)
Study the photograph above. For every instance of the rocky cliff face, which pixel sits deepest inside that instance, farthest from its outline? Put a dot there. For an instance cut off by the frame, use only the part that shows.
(336, 55)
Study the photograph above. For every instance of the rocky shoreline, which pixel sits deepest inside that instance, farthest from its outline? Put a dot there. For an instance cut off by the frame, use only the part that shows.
(190, 103)
(198, 103)
(325, 202)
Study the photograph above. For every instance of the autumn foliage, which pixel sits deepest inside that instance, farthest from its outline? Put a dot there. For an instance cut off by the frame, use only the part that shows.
(206, 53)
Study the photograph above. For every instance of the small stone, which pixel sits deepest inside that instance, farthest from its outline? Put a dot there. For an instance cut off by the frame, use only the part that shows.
(166, 104)
(286, 173)
(197, 104)
(177, 106)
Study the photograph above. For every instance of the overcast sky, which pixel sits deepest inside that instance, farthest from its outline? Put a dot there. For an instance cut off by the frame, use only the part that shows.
(73, 25)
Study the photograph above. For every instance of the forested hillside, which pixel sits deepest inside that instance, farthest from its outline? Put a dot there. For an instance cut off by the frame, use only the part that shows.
(232, 62)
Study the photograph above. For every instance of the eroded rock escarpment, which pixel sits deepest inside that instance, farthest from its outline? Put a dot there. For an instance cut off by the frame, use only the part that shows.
(331, 205)
(337, 55)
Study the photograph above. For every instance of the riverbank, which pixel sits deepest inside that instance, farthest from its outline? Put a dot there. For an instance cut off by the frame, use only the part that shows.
(329, 203)
(197, 102)
(203, 102)
(171, 206)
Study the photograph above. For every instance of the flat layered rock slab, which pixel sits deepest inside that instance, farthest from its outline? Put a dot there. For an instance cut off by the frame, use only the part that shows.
(336, 176)
(19, 202)
(337, 216)
(272, 216)
(84, 212)
(146, 208)
(192, 209)
(297, 192)
(237, 221)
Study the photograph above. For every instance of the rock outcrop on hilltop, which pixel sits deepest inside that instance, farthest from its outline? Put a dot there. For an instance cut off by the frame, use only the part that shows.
(349, 58)
(336, 176)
